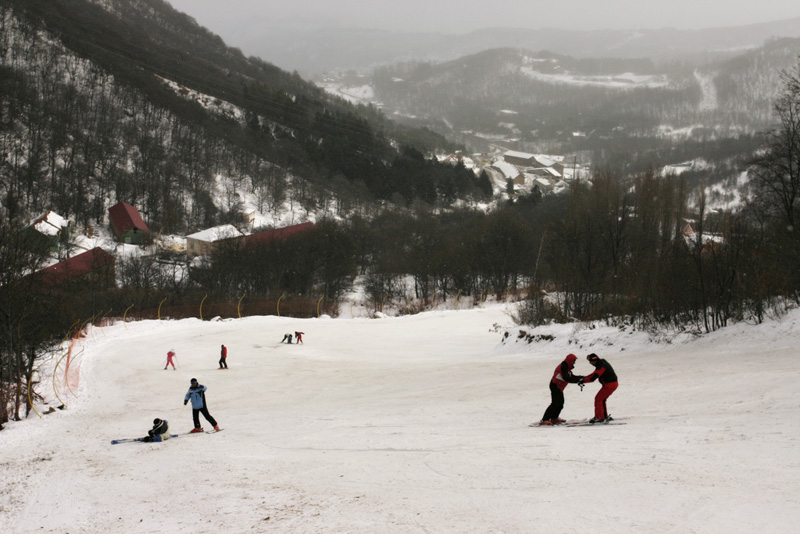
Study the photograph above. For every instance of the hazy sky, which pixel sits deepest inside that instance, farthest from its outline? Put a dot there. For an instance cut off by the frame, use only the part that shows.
(227, 17)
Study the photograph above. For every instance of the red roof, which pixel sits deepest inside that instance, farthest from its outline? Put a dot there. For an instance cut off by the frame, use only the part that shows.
(74, 267)
(263, 238)
(125, 217)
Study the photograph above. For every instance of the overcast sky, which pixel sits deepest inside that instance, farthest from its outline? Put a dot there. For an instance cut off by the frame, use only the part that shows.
(227, 17)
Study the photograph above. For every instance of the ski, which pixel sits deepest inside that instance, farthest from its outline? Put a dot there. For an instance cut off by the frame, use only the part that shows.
(131, 440)
(598, 424)
(212, 431)
(564, 423)
(578, 422)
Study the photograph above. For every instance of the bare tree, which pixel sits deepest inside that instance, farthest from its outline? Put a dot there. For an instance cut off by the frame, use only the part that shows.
(776, 173)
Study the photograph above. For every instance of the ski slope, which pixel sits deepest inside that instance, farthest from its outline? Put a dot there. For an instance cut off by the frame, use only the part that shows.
(415, 424)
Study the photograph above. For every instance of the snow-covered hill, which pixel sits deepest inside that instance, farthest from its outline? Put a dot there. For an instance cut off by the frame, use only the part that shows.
(412, 424)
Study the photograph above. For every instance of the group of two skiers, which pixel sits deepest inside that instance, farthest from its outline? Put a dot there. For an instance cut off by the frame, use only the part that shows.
(563, 376)
(196, 394)
(298, 336)
(223, 358)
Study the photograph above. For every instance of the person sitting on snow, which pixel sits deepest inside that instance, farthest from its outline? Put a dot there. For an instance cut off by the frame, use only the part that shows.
(159, 432)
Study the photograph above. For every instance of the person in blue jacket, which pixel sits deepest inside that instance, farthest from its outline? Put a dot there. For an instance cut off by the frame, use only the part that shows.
(197, 394)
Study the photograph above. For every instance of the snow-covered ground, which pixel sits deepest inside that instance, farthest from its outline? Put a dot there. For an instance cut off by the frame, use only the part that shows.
(412, 424)
(627, 80)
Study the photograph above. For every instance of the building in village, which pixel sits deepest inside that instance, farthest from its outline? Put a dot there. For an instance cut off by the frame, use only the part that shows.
(547, 173)
(127, 224)
(93, 267)
(203, 243)
(207, 241)
(262, 239)
(48, 232)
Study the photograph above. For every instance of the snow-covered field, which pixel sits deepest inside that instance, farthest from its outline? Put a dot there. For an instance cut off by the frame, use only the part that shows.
(628, 80)
(413, 424)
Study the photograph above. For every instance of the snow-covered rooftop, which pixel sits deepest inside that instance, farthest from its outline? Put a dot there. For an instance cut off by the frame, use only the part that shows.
(50, 223)
(216, 233)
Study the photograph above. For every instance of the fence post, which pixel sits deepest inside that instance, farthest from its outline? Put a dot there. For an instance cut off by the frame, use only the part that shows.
(55, 375)
(279, 304)
(159, 307)
(30, 401)
(201, 306)
(125, 315)
(239, 306)
(318, 303)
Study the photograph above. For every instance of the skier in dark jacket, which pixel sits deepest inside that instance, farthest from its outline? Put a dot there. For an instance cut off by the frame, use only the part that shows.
(561, 378)
(197, 394)
(159, 432)
(608, 378)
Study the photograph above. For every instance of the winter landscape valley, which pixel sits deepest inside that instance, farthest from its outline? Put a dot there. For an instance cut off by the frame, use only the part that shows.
(412, 424)
(448, 199)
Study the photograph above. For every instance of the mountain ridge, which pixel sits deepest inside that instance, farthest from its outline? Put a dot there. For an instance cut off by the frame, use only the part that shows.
(318, 50)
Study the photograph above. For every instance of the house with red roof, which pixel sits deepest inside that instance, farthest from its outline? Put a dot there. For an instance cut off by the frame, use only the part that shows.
(266, 237)
(127, 224)
(94, 265)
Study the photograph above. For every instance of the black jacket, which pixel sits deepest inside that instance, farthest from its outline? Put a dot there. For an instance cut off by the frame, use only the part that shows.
(603, 371)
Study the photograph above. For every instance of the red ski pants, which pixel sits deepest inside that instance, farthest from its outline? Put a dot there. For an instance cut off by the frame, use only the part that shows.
(605, 392)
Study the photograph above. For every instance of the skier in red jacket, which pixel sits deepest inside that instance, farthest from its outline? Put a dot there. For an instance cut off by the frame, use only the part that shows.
(608, 378)
(561, 377)
(170, 355)
(223, 357)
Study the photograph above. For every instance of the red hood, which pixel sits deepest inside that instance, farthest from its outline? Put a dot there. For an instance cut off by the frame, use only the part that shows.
(571, 359)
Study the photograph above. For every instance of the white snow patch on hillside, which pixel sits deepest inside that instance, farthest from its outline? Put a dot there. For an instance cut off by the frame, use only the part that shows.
(706, 82)
(611, 81)
(362, 94)
(208, 102)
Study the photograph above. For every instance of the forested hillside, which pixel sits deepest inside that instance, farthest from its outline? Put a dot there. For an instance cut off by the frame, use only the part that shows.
(131, 100)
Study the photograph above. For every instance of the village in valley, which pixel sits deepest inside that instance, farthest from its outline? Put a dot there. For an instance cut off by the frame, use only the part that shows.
(540, 174)
(513, 175)
(78, 256)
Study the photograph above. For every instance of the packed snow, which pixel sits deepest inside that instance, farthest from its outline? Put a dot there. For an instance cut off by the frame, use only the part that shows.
(411, 424)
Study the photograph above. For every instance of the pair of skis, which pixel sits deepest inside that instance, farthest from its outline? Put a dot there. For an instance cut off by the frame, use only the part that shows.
(131, 440)
(580, 422)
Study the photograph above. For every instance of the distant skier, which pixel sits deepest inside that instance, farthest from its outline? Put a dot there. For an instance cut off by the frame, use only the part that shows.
(159, 432)
(288, 338)
(197, 394)
(170, 356)
(223, 357)
(608, 378)
(562, 376)
(298, 336)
